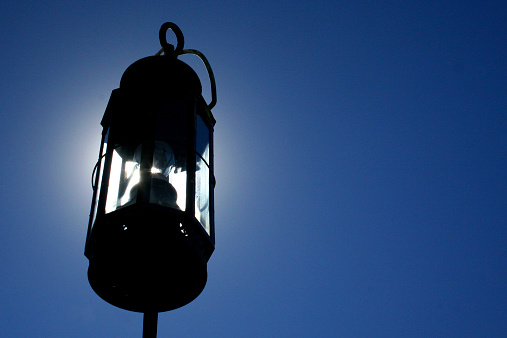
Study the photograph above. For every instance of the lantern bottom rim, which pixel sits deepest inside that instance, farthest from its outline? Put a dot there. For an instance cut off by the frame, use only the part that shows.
(146, 261)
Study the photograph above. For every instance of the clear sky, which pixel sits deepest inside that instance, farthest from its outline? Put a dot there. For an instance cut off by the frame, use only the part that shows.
(360, 152)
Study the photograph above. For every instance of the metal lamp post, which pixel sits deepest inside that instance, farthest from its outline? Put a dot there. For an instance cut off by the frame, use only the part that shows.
(151, 227)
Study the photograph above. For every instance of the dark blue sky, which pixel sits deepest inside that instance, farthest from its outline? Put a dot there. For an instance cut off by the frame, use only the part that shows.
(360, 152)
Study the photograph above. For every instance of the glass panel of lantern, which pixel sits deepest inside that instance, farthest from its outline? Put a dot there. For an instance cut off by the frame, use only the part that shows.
(100, 164)
(124, 177)
(202, 175)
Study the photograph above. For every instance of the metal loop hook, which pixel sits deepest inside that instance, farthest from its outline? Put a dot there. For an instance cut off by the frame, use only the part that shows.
(168, 48)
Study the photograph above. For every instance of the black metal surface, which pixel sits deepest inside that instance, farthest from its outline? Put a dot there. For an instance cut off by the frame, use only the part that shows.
(148, 258)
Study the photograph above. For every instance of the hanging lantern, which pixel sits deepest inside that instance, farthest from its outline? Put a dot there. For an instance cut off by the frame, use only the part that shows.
(151, 227)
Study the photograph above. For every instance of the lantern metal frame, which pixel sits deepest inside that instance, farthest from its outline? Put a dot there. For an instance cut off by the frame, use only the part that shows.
(118, 241)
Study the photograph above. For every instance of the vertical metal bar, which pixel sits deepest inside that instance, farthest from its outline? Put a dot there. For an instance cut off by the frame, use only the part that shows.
(150, 324)
(143, 193)
(122, 186)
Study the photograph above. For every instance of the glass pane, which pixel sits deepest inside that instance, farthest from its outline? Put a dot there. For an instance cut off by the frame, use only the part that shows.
(128, 188)
(202, 211)
(168, 180)
(202, 175)
(123, 177)
(202, 139)
(179, 181)
(102, 160)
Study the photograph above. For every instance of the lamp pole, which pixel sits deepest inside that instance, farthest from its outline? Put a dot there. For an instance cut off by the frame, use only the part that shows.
(150, 324)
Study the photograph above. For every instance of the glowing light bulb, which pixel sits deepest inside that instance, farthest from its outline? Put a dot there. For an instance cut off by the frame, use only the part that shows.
(168, 184)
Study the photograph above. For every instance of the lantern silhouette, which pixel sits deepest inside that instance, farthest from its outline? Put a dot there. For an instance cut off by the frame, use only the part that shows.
(151, 227)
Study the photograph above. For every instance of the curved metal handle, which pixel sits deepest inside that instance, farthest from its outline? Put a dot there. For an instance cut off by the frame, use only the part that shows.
(210, 74)
(169, 49)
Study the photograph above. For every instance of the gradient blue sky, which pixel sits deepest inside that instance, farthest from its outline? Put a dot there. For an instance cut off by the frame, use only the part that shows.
(360, 164)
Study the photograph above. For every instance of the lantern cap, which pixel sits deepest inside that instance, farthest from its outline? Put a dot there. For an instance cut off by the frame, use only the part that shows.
(161, 74)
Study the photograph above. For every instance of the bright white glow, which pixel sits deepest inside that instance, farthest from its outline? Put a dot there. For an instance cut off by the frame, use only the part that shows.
(179, 182)
(114, 183)
(132, 171)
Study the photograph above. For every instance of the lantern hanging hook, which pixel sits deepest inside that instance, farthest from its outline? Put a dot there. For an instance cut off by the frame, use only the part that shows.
(169, 49)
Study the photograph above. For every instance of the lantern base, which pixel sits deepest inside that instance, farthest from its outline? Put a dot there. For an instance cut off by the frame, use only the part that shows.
(146, 259)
